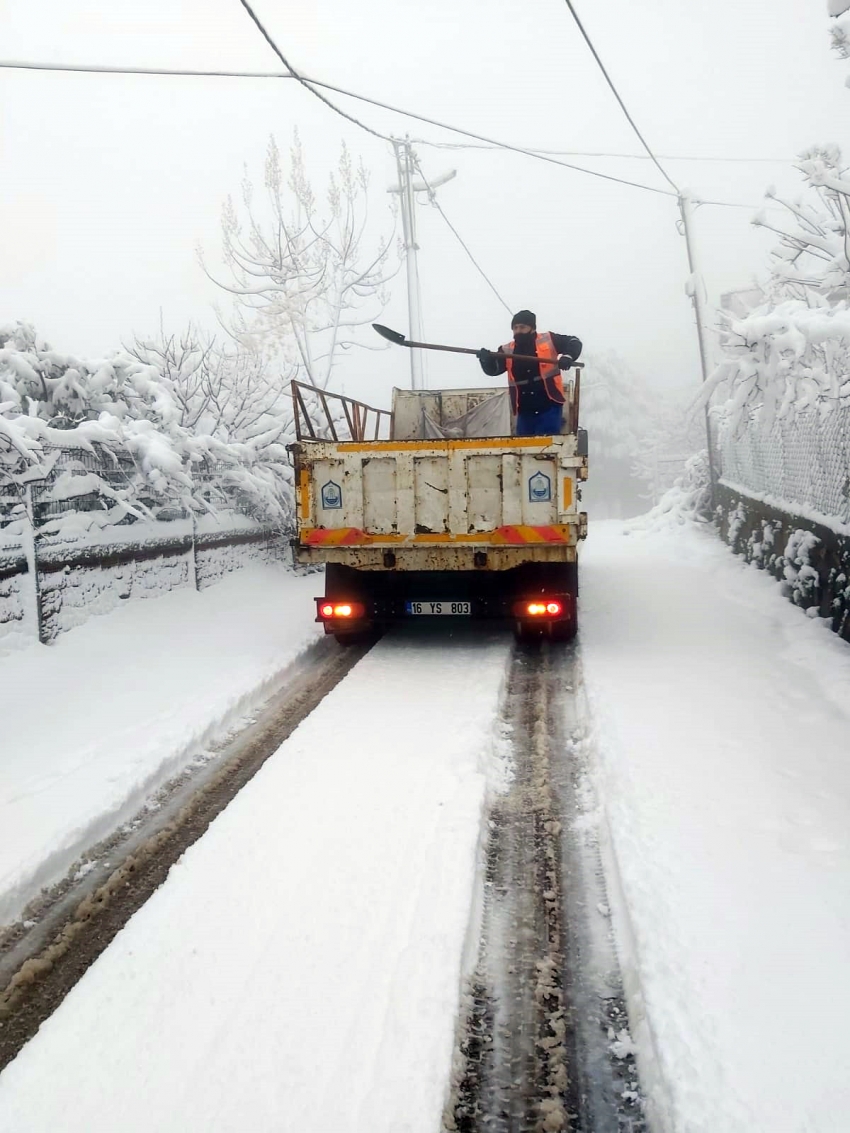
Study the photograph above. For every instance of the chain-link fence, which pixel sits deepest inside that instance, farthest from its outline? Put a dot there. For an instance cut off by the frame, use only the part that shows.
(803, 461)
(783, 502)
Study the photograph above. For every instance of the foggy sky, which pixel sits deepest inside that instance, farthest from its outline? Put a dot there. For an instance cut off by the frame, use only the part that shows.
(108, 183)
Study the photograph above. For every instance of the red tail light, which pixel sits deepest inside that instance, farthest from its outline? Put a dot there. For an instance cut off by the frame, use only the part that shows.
(540, 608)
(341, 609)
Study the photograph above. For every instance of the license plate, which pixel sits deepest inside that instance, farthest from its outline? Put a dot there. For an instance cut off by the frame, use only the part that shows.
(432, 609)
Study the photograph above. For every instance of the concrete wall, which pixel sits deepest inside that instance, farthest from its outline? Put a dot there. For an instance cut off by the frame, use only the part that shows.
(810, 559)
(78, 582)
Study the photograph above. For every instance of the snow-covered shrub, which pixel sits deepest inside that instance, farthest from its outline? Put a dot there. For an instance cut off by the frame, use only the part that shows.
(761, 544)
(782, 359)
(109, 436)
(688, 501)
(803, 580)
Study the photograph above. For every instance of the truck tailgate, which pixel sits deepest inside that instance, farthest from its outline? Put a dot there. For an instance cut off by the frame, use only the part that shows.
(505, 490)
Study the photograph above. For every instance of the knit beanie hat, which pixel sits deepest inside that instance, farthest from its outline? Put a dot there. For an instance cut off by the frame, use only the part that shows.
(527, 318)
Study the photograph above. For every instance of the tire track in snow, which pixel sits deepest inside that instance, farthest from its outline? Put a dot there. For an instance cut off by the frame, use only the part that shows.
(82, 916)
(535, 1047)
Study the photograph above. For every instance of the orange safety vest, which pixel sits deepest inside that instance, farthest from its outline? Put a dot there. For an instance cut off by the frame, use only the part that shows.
(550, 374)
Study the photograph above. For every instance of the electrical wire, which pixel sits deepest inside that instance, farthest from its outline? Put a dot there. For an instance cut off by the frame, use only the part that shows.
(495, 142)
(606, 153)
(487, 143)
(92, 69)
(305, 82)
(311, 83)
(432, 196)
(616, 94)
(103, 69)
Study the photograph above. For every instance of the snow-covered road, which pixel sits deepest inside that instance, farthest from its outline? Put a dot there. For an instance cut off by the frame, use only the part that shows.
(721, 717)
(300, 969)
(94, 723)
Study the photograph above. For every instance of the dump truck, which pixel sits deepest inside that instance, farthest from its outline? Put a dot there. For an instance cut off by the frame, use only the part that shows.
(436, 510)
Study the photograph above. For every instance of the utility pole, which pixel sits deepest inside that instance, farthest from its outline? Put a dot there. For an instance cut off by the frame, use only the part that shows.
(404, 163)
(407, 189)
(686, 209)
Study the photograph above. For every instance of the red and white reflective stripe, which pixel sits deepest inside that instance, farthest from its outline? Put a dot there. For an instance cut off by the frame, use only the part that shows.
(515, 534)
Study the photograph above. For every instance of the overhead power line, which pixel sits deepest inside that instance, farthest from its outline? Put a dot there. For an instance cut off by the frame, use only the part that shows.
(496, 143)
(608, 153)
(93, 69)
(104, 69)
(432, 196)
(616, 94)
(305, 82)
(487, 143)
(311, 83)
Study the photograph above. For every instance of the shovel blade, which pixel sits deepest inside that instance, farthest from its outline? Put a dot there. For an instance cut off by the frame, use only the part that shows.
(391, 335)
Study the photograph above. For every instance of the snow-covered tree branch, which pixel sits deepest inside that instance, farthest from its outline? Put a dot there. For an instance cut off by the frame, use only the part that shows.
(174, 422)
(304, 276)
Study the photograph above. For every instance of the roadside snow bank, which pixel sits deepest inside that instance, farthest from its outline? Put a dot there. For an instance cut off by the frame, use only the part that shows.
(721, 716)
(300, 969)
(94, 723)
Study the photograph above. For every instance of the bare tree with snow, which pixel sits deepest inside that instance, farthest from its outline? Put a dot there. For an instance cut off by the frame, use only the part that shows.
(813, 252)
(304, 274)
(230, 389)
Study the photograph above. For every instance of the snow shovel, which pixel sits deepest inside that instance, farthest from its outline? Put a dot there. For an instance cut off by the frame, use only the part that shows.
(400, 340)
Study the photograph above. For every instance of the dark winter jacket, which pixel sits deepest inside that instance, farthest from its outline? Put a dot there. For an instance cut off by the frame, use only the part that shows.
(532, 396)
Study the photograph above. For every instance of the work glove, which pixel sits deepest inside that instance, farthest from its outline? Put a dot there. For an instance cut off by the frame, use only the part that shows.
(483, 354)
(565, 362)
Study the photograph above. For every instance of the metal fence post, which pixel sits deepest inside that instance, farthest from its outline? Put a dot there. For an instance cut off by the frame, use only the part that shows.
(194, 552)
(31, 546)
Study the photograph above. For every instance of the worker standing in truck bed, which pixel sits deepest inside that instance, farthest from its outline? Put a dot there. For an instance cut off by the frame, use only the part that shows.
(537, 388)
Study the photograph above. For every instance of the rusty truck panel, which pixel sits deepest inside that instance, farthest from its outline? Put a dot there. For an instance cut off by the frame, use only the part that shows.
(448, 497)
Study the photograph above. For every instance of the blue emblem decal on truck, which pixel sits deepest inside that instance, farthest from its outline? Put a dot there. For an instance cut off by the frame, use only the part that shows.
(539, 488)
(331, 496)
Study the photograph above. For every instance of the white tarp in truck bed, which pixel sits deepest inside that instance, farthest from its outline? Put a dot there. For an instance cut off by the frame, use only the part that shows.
(420, 415)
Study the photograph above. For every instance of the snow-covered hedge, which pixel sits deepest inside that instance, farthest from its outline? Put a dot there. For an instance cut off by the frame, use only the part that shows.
(809, 559)
(104, 438)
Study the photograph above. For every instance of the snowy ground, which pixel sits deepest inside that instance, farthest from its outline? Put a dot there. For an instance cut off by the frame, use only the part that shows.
(94, 722)
(300, 969)
(721, 716)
